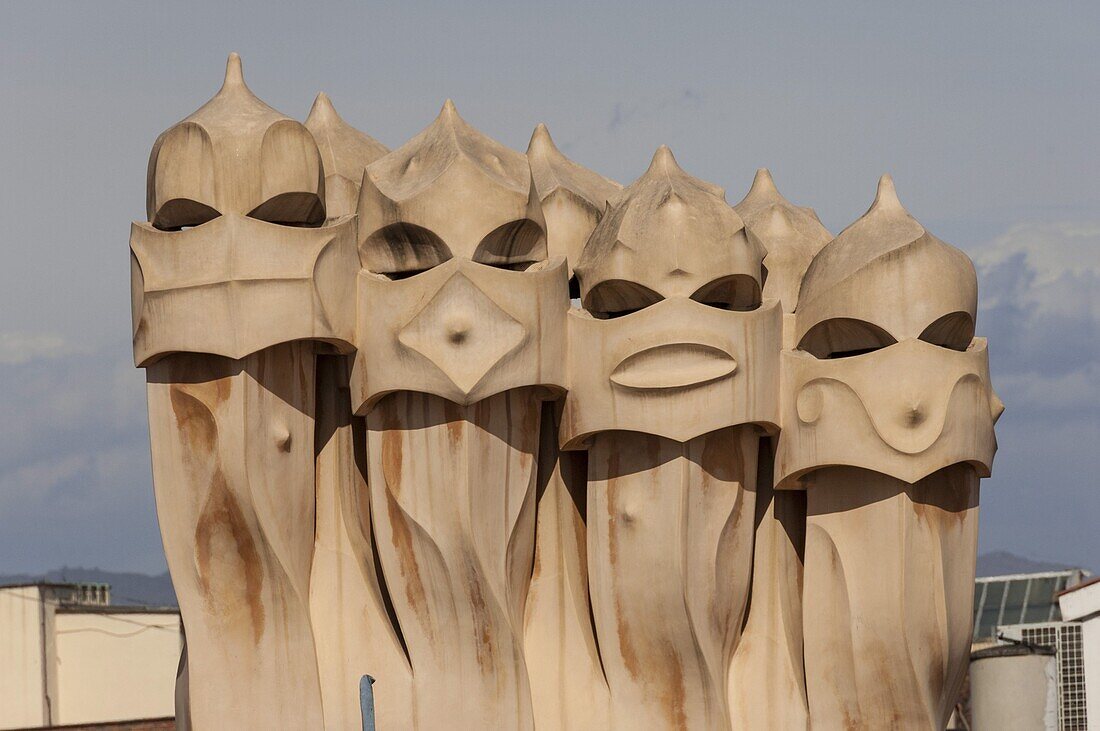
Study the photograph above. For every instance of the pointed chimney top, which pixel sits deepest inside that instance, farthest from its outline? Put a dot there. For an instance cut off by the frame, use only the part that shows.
(887, 195)
(322, 110)
(763, 184)
(234, 74)
(664, 161)
(541, 142)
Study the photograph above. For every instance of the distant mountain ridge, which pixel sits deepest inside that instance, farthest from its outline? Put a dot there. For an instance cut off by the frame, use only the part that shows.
(127, 589)
(131, 589)
(1000, 563)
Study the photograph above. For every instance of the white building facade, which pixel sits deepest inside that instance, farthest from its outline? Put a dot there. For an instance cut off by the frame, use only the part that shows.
(69, 657)
(1081, 604)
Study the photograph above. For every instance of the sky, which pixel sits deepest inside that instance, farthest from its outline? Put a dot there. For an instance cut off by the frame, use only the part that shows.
(984, 112)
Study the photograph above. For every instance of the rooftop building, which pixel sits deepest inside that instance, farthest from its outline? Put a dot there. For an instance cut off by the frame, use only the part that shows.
(67, 656)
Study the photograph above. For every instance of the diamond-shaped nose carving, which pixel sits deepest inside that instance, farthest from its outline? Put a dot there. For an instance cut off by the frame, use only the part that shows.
(463, 332)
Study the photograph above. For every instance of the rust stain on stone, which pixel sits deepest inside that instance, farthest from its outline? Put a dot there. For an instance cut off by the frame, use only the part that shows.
(229, 566)
(402, 540)
(392, 455)
(195, 421)
(672, 695)
(483, 622)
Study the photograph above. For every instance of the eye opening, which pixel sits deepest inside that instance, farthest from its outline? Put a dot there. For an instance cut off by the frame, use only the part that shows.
(182, 213)
(618, 298)
(844, 337)
(397, 276)
(515, 245)
(300, 209)
(736, 293)
(954, 331)
(403, 250)
(514, 266)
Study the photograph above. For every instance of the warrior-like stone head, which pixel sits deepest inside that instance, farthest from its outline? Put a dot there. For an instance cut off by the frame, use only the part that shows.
(673, 339)
(235, 155)
(234, 257)
(458, 297)
(669, 235)
(450, 192)
(887, 374)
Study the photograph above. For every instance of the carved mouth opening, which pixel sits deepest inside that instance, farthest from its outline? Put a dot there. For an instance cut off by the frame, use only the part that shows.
(673, 366)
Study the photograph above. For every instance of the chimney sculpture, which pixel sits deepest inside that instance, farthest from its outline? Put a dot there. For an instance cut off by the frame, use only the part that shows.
(461, 330)
(734, 485)
(238, 282)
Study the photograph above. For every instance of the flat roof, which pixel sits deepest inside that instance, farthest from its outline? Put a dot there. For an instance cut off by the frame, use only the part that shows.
(114, 609)
(1075, 587)
(1032, 575)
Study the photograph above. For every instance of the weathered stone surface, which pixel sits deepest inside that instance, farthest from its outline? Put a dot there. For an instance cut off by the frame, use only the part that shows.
(736, 487)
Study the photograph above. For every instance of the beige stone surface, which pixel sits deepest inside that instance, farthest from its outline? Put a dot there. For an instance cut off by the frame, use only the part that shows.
(671, 364)
(670, 555)
(573, 197)
(461, 330)
(345, 154)
(568, 688)
(887, 424)
(737, 487)
(791, 234)
(889, 596)
(234, 480)
(232, 275)
(768, 662)
(349, 612)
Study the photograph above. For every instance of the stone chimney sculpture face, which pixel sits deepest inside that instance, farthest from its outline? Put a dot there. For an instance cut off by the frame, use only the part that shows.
(670, 284)
(235, 275)
(457, 298)
(727, 490)
(887, 424)
(672, 365)
(887, 375)
(460, 334)
(240, 188)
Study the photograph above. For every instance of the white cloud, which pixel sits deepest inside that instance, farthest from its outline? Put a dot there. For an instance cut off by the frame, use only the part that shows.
(1052, 268)
(17, 348)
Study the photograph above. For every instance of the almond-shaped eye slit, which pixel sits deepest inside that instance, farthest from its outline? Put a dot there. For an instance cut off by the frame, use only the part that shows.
(403, 250)
(516, 266)
(180, 213)
(954, 331)
(304, 210)
(516, 242)
(396, 276)
(618, 297)
(844, 337)
(738, 292)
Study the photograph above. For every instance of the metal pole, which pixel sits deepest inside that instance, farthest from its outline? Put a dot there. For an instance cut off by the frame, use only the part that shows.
(366, 701)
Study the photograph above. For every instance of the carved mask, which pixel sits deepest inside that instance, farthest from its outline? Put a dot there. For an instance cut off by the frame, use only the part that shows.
(673, 339)
(887, 375)
(235, 257)
(457, 297)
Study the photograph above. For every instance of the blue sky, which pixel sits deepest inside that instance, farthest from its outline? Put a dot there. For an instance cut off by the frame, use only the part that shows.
(985, 113)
